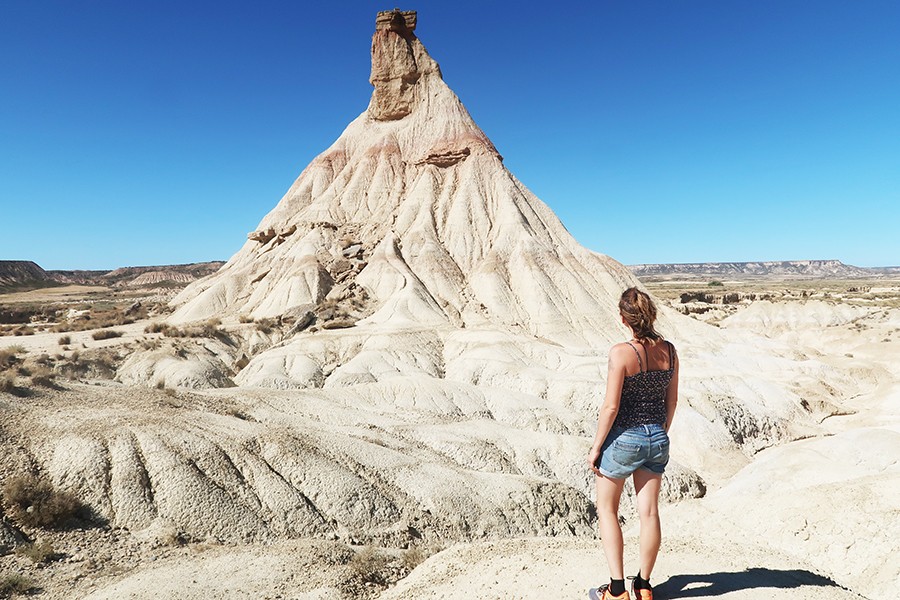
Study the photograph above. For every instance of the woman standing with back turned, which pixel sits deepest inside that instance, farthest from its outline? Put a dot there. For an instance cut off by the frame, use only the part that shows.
(632, 438)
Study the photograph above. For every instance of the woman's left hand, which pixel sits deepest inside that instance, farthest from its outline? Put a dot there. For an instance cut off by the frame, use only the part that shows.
(592, 460)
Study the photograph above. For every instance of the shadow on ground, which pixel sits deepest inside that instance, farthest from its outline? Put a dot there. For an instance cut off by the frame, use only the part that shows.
(717, 584)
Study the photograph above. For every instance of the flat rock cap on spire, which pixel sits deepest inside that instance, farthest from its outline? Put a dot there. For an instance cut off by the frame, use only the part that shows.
(401, 21)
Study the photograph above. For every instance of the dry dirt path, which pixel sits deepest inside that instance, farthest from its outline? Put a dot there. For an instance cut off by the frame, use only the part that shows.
(550, 569)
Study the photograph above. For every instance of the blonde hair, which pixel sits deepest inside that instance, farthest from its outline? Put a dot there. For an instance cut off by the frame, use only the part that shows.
(639, 313)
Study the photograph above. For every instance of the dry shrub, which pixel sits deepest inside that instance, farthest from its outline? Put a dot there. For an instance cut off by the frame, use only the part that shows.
(412, 557)
(245, 319)
(15, 583)
(64, 340)
(39, 552)
(8, 384)
(367, 565)
(156, 328)
(265, 325)
(8, 357)
(150, 344)
(238, 414)
(44, 377)
(106, 334)
(36, 503)
(208, 329)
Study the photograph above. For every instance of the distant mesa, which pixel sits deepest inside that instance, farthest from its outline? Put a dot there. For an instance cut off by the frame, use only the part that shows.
(786, 269)
(25, 274)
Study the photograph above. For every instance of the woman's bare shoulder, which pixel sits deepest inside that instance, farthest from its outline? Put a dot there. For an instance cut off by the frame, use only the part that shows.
(620, 349)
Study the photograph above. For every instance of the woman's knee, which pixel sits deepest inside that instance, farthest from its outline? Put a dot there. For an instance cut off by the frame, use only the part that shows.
(648, 513)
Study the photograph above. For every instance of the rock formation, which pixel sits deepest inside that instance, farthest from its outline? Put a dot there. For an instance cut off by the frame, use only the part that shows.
(443, 232)
(431, 343)
(22, 273)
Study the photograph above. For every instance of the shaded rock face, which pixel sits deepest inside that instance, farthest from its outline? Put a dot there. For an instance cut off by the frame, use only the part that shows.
(21, 272)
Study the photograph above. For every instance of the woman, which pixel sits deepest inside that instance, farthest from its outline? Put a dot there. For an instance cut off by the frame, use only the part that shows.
(632, 439)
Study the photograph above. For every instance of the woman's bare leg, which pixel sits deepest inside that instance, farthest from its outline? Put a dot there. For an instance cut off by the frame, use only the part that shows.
(646, 485)
(609, 491)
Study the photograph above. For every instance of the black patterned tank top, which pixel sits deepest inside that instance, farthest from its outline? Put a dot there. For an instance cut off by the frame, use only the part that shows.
(644, 394)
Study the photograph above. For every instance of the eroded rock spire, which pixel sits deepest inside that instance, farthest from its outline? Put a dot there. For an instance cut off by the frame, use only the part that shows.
(399, 60)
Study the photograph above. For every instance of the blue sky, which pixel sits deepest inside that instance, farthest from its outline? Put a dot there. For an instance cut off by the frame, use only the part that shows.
(159, 133)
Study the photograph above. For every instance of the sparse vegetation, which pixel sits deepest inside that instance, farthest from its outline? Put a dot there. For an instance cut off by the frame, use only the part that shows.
(412, 557)
(9, 357)
(36, 503)
(245, 319)
(100, 363)
(64, 340)
(237, 414)
(156, 328)
(715, 284)
(44, 377)
(208, 329)
(15, 583)
(8, 385)
(106, 334)
(39, 552)
(368, 565)
(265, 325)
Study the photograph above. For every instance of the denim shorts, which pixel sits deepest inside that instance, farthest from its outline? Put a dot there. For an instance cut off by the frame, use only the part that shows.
(627, 450)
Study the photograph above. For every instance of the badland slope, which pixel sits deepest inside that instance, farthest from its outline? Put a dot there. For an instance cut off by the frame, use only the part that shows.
(22, 273)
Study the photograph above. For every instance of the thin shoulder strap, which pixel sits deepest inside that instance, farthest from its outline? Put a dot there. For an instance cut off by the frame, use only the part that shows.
(671, 355)
(638, 354)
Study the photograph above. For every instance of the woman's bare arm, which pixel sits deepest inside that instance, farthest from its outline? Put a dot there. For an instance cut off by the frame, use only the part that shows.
(672, 393)
(614, 379)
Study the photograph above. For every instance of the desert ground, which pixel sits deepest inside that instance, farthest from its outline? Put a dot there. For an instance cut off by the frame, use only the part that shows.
(810, 517)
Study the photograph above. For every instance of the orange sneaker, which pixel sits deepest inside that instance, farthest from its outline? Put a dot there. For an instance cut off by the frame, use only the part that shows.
(603, 593)
(641, 594)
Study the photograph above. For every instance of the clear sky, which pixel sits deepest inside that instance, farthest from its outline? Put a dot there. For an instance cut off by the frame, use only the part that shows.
(140, 133)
